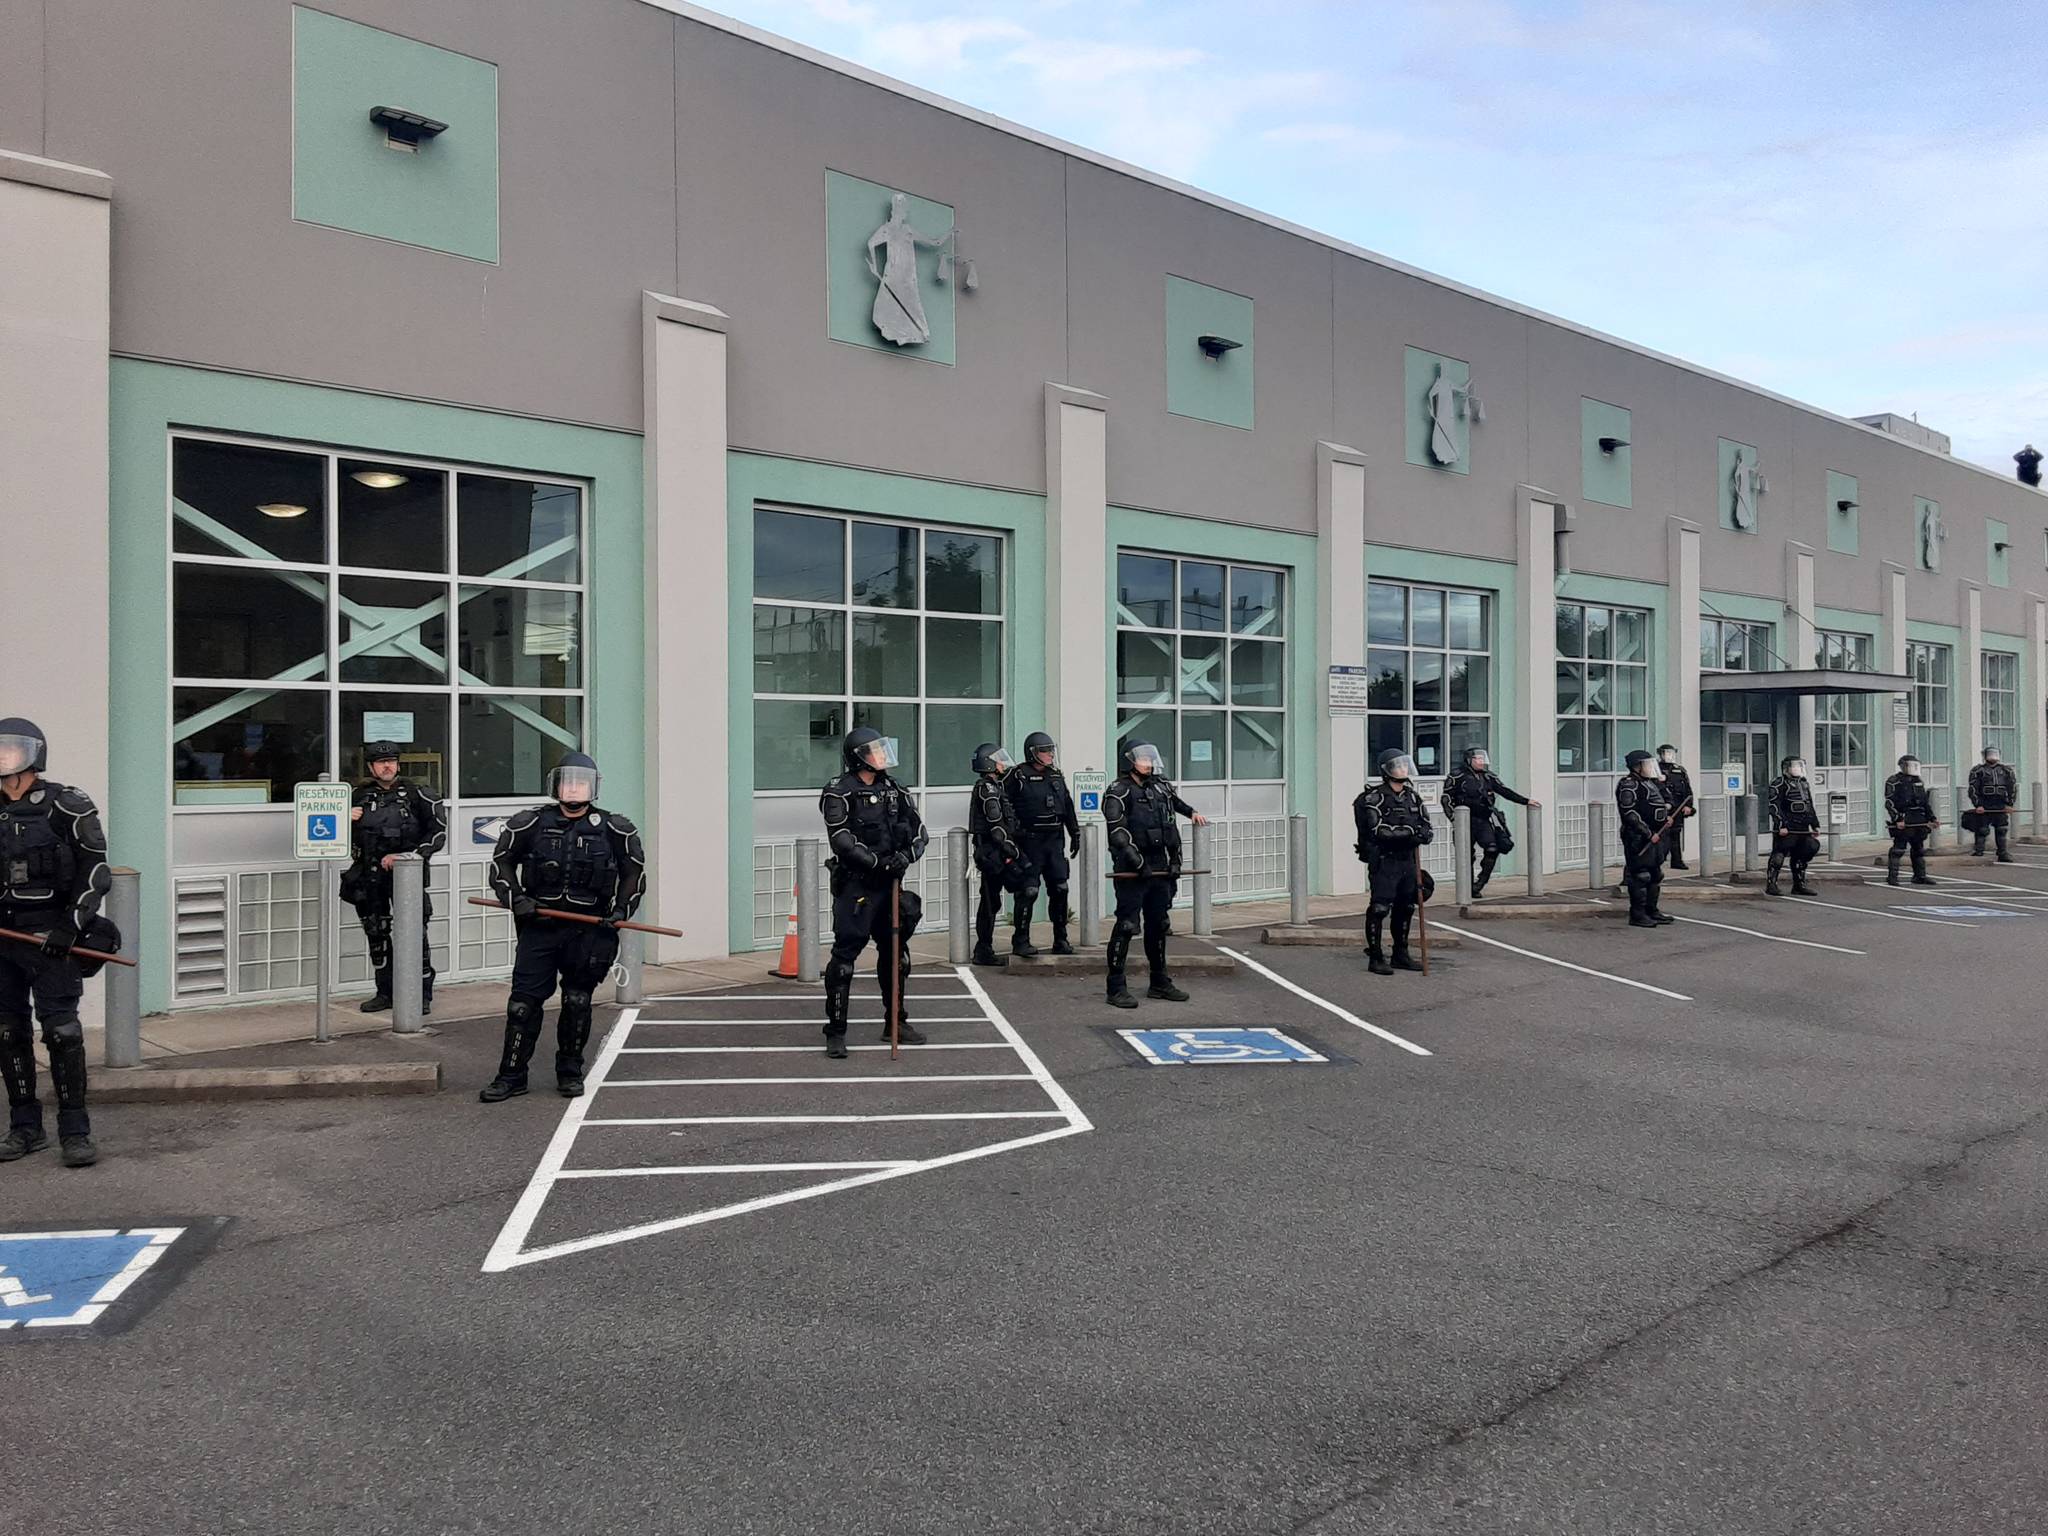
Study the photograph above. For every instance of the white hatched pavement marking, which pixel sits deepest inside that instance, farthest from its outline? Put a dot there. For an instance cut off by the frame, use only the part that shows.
(509, 1251)
(1843, 906)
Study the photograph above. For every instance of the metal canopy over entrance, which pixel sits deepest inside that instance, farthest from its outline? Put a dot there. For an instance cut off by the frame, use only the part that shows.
(1804, 681)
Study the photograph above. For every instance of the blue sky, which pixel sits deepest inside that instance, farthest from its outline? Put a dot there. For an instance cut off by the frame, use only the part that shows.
(1839, 201)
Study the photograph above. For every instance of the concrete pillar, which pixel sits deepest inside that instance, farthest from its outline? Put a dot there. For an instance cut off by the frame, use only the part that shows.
(1340, 642)
(687, 687)
(1079, 576)
(54, 275)
(1682, 642)
(1969, 679)
(1531, 755)
(1800, 634)
(1891, 596)
(2034, 696)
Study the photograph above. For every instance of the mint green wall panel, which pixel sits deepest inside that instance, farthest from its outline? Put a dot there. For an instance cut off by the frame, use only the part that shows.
(1843, 526)
(1997, 561)
(345, 175)
(149, 399)
(854, 211)
(1728, 453)
(1218, 389)
(1606, 477)
(1925, 511)
(1420, 370)
(754, 478)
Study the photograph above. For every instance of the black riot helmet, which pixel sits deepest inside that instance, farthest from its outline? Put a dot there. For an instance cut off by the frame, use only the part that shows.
(378, 751)
(990, 758)
(1394, 764)
(1637, 759)
(1793, 767)
(574, 780)
(1909, 764)
(1476, 758)
(23, 748)
(1135, 753)
(866, 747)
(1036, 743)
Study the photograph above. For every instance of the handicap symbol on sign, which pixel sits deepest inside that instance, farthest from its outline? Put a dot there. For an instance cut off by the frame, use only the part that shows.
(1194, 1047)
(1090, 800)
(322, 829)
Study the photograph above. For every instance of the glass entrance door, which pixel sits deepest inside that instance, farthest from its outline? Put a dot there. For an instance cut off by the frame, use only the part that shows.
(1750, 745)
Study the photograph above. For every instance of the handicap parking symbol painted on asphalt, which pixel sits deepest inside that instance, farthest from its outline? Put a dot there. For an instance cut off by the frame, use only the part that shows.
(1965, 912)
(85, 1279)
(1228, 1047)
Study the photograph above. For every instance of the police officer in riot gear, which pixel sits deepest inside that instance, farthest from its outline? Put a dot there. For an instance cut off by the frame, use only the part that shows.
(993, 836)
(1475, 786)
(1795, 828)
(1678, 790)
(1138, 811)
(876, 835)
(1050, 834)
(53, 876)
(1994, 791)
(1392, 824)
(1909, 816)
(1647, 817)
(572, 856)
(391, 816)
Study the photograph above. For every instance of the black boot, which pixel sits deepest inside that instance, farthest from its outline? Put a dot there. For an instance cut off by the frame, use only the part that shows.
(906, 1032)
(986, 955)
(1403, 961)
(1920, 876)
(522, 1029)
(838, 1000)
(1799, 885)
(66, 1041)
(376, 1003)
(1056, 909)
(1891, 868)
(1639, 906)
(78, 1151)
(1020, 932)
(1771, 876)
(1375, 953)
(18, 1069)
(22, 1140)
(1162, 986)
(572, 1033)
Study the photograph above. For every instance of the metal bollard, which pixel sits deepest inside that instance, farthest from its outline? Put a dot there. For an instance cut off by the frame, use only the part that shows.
(1834, 842)
(1087, 881)
(807, 889)
(408, 917)
(1203, 881)
(1596, 844)
(1533, 830)
(124, 983)
(2034, 799)
(1297, 870)
(1752, 813)
(1461, 850)
(1955, 806)
(1703, 837)
(630, 989)
(959, 933)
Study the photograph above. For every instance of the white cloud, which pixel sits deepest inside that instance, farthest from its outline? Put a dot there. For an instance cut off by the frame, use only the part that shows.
(939, 44)
(1070, 62)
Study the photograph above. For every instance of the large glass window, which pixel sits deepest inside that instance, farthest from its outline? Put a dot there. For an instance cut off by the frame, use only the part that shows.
(1928, 730)
(1201, 666)
(1841, 721)
(863, 622)
(1603, 686)
(1429, 659)
(2001, 699)
(311, 597)
(1730, 645)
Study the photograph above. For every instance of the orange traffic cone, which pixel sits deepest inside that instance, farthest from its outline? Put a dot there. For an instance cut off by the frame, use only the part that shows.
(787, 969)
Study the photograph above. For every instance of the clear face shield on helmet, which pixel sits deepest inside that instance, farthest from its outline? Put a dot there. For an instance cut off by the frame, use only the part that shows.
(18, 754)
(1478, 762)
(1667, 755)
(1992, 755)
(1145, 757)
(573, 785)
(878, 755)
(1402, 768)
(1649, 769)
(1796, 768)
(1910, 767)
(999, 761)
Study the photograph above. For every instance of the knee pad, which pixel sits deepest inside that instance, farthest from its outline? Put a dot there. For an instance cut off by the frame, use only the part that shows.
(838, 972)
(65, 1034)
(1028, 894)
(576, 1001)
(523, 1011)
(1126, 928)
(1379, 910)
(15, 1029)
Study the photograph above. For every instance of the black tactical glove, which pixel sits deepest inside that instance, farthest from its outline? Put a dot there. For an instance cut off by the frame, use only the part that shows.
(1073, 847)
(524, 910)
(58, 941)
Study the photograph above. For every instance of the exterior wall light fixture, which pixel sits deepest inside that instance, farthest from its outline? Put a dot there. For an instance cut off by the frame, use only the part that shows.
(1609, 444)
(1845, 505)
(1216, 346)
(406, 130)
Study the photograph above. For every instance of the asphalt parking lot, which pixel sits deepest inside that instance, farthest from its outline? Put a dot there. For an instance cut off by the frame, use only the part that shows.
(1690, 1231)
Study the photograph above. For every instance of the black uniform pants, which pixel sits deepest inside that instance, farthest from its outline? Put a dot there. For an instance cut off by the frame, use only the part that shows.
(1909, 841)
(861, 915)
(1642, 873)
(373, 911)
(1674, 843)
(1046, 847)
(1801, 847)
(1486, 847)
(1142, 905)
(51, 987)
(1994, 823)
(996, 878)
(578, 955)
(1395, 886)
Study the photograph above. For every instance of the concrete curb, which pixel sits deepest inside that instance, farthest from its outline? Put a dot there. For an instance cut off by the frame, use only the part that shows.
(1837, 876)
(1312, 937)
(171, 1085)
(1098, 966)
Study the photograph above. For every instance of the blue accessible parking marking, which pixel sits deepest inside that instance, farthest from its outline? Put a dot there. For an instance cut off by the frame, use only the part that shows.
(1965, 912)
(1230, 1047)
(81, 1279)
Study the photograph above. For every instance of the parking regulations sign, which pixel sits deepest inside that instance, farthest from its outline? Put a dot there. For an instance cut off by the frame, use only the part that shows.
(1089, 783)
(320, 821)
(1217, 1047)
(1732, 780)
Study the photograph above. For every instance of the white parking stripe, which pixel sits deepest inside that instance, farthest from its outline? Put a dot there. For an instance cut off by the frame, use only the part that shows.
(1584, 970)
(812, 1050)
(974, 1114)
(1325, 1004)
(644, 1173)
(1775, 938)
(812, 995)
(759, 1082)
(812, 1018)
(1839, 906)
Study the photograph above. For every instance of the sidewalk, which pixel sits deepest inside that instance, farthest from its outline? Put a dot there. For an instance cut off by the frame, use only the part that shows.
(195, 1031)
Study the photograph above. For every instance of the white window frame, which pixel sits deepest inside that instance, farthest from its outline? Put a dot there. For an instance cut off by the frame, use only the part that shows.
(1754, 633)
(1578, 783)
(1843, 650)
(1923, 729)
(1999, 698)
(1453, 745)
